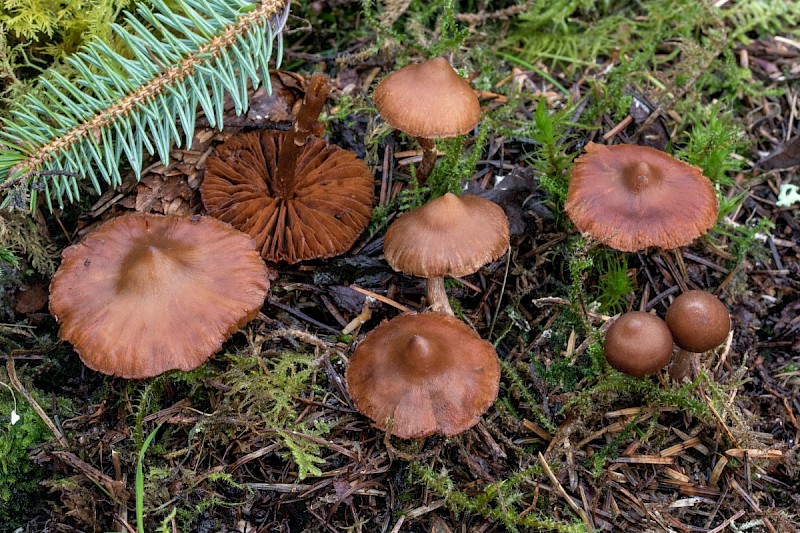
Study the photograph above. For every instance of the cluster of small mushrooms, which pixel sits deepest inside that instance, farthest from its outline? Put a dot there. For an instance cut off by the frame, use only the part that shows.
(632, 198)
(425, 373)
(143, 294)
(640, 343)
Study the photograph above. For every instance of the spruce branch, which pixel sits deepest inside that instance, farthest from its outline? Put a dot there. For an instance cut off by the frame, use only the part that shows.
(146, 99)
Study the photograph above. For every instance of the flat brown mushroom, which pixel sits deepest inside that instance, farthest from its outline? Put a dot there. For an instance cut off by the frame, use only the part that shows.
(143, 294)
(420, 374)
(635, 197)
(428, 100)
(297, 196)
(449, 236)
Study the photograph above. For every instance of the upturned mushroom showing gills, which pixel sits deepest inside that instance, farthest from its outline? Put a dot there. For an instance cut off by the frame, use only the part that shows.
(430, 101)
(297, 196)
(638, 344)
(699, 322)
(420, 374)
(635, 197)
(449, 236)
(143, 294)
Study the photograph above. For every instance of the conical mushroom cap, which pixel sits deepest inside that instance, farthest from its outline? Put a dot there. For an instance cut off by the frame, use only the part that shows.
(428, 100)
(449, 236)
(330, 206)
(638, 344)
(423, 374)
(634, 197)
(144, 294)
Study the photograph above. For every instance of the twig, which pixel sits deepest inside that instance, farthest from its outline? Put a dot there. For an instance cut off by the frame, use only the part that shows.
(501, 14)
(380, 298)
(12, 377)
(560, 490)
(502, 291)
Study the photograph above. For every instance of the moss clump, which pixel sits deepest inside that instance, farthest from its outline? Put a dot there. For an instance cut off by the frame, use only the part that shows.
(19, 476)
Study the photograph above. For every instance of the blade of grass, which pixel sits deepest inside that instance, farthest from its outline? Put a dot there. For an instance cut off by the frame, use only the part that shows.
(140, 481)
(531, 66)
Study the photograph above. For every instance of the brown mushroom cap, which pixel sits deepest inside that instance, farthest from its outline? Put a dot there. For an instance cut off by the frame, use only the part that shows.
(420, 374)
(449, 236)
(698, 321)
(428, 100)
(144, 294)
(638, 344)
(330, 205)
(634, 197)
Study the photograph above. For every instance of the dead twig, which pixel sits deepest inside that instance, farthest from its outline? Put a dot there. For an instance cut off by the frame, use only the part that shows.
(12, 377)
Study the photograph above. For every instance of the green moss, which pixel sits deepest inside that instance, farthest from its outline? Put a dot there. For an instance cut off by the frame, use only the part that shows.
(615, 283)
(19, 477)
(501, 501)
(55, 28)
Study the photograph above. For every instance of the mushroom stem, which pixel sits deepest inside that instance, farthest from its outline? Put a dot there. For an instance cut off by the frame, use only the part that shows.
(683, 365)
(437, 296)
(305, 126)
(425, 166)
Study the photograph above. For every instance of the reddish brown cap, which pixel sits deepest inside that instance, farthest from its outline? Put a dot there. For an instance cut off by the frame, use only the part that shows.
(698, 321)
(449, 236)
(634, 197)
(144, 294)
(421, 374)
(638, 344)
(428, 100)
(330, 206)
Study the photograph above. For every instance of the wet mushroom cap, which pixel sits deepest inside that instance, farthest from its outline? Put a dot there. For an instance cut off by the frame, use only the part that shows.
(449, 236)
(144, 294)
(638, 344)
(699, 321)
(635, 197)
(420, 374)
(428, 100)
(330, 206)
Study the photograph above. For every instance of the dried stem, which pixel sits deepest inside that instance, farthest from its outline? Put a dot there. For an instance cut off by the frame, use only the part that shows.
(425, 166)
(305, 126)
(683, 365)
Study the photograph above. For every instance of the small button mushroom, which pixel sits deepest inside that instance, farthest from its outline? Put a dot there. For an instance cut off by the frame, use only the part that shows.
(449, 236)
(428, 100)
(638, 344)
(634, 197)
(420, 374)
(699, 322)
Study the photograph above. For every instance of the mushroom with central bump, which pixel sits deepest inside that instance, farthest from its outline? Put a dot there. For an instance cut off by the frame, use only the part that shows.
(449, 236)
(421, 374)
(638, 344)
(144, 294)
(430, 101)
(635, 197)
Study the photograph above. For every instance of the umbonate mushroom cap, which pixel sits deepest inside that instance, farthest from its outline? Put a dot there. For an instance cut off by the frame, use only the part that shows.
(448, 236)
(329, 207)
(634, 197)
(420, 374)
(698, 320)
(638, 344)
(143, 294)
(428, 100)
